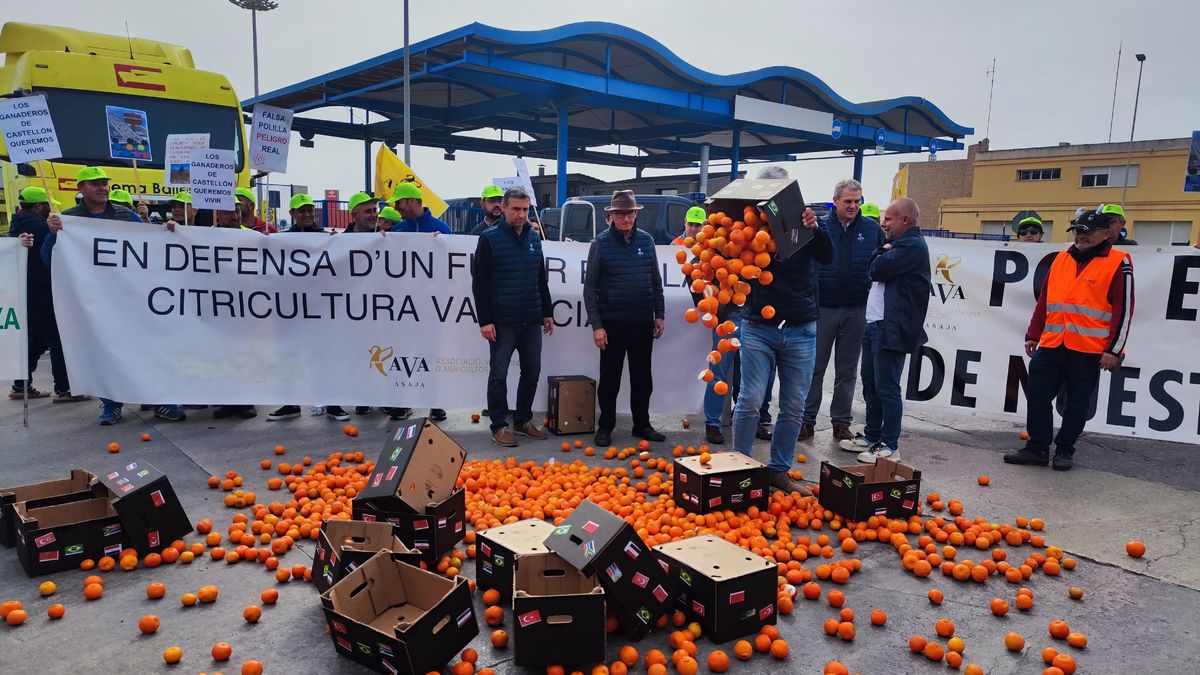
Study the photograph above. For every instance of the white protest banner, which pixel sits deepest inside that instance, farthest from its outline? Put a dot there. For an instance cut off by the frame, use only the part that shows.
(28, 129)
(523, 175)
(270, 134)
(212, 179)
(982, 297)
(228, 316)
(14, 350)
(178, 157)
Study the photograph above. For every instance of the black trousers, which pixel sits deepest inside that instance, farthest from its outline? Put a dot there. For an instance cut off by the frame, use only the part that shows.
(1058, 371)
(635, 339)
(43, 335)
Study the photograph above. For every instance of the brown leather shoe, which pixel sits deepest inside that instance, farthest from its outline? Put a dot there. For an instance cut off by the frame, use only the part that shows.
(841, 431)
(530, 429)
(503, 436)
(806, 431)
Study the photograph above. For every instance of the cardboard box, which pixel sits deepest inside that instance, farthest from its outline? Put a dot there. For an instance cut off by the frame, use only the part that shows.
(779, 199)
(860, 491)
(730, 591)
(419, 465)
(437, 529)
(395, 618)
(730, 480)
(558, 613)
(596, 542)
(72, 489)
(56, 538)
(498, 548)
(149, 510)
(343, 545)
(571, 404)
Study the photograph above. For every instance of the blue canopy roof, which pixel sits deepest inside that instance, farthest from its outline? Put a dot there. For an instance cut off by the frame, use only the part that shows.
(619, 87)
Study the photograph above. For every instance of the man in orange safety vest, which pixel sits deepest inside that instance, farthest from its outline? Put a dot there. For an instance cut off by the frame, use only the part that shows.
(1079, 327)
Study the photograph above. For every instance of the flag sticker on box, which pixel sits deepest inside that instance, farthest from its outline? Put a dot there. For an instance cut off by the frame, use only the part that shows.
(640, 580)
(48, 556)
(464, 617)
(698, 608)
(632, 550)
(590, 527)
(529, 618)
(660, 593)
(614, 573)
(44, 540)
(736, 597)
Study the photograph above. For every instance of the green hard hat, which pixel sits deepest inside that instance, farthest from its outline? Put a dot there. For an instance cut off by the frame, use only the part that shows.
(870, 210)
(90, 173)
(358, 199)
(388, 213)
(696, 214)
(1029, 221)
(120, 197)
(406, 190)
(183, 197)
(245, 192)
(35, 195)
(1112, 209)
(299, 201)
(492, 191)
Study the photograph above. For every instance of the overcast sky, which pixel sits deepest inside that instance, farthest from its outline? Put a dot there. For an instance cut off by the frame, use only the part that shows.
(1054, 72)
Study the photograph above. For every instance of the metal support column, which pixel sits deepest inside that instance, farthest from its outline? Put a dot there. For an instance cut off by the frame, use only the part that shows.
(560, 181)
(368, 187)
(735, 154)
(704, 168)
(858, 164)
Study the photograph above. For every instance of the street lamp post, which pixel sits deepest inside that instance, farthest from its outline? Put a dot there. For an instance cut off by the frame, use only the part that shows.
(256, 6)
(1129, 149)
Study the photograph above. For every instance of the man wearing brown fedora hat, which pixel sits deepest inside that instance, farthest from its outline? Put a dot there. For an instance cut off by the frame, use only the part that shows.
(623, 294)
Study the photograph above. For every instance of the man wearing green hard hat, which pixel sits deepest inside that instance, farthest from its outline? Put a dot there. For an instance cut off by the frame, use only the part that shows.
(364, 212)
(1030, 230)
(304, 214)
(30, 224)
(246, 216)
(870, 210)
(388, 218)
(693, 221)
(406, 197)
(183, 213)
(93, 187)
(1116, 224)
(492, 202)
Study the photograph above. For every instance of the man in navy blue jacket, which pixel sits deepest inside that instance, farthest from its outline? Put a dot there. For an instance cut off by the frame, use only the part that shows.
(842, 290)
(512, 298)
(896, 306)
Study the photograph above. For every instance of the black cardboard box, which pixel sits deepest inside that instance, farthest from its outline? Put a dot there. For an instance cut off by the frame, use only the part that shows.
(571, 404)
(596, 542)
(57, 538)
(395, 618)
(419, 465)
(728, 590)
(149, 510)
(437, 529)
(779, 199)
(558, 613)
(497, 550)
(343, 545)
(859, 491)
(730, 480)
(72, 489)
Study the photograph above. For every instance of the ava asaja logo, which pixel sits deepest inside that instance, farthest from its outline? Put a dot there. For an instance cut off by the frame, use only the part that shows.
(943, 287)
(385, 361)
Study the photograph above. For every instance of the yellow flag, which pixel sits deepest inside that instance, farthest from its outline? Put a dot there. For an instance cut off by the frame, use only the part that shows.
(900, 184)
(390, 171)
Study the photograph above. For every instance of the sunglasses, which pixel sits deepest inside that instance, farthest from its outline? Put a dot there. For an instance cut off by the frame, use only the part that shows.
(1028, 230)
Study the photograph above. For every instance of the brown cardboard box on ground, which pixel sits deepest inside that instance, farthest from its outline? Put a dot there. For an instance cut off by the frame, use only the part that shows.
(418, 466)
(343, 545)
(150, 511)
(395, 618)
(498, 548)
(730, 480)
(727, 589)
(558, 613)
(74, 488)
(433, 531)
(56, 538)
(859, 491)
(571, 404)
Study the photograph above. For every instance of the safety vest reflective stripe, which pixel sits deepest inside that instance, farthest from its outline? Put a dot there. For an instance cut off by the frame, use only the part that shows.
(1079, 309)
(1081, 330)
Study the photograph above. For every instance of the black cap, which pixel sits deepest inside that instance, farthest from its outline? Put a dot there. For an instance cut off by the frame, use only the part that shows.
(1089, 221)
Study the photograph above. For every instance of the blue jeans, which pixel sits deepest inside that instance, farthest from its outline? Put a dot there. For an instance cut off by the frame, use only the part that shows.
(764, 349)
(526, 341)
(714, 403)
(881, 389)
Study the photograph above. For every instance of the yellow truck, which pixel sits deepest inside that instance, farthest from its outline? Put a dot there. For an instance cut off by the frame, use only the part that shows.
(82, 74)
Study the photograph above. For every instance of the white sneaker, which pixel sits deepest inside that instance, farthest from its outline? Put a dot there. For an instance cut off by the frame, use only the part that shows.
(857, 444)
(879, 451)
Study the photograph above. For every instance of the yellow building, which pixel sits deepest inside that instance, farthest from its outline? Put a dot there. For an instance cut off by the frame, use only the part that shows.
(983, 192)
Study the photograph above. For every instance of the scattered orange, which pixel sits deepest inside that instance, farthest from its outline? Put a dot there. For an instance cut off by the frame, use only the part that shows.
(93, 591)
(252, 667)
(148, 624)
(1135, 549)
(743, 650)
(500, 639)
(269, 596)
(56, 611)
(779, 648)
(252, 613)
(114, 447)
(172, 654)
(494, 615)
(1014, 642)
(491, 597)
(222, 651)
